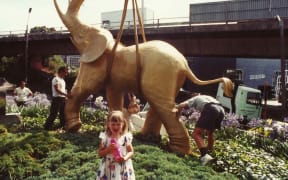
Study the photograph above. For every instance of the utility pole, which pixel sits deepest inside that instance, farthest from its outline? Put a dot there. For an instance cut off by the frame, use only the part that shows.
(26, 45)
(283, 68)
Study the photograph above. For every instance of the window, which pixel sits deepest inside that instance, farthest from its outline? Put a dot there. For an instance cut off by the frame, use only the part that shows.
(253, 98)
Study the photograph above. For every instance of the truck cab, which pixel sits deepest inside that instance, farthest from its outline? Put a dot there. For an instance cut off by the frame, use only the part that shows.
(246, 102)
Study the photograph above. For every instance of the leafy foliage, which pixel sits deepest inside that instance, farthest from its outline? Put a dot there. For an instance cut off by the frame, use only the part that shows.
(22, 153)
(151, 162)
(29, 152)
(250, 156)
(6, 64)
(42, 29)
(55, 62)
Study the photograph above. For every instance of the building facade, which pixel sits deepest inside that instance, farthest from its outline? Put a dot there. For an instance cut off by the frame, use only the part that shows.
(237, 10)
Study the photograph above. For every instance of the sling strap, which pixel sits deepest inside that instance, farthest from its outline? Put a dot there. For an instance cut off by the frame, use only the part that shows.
(119, 35)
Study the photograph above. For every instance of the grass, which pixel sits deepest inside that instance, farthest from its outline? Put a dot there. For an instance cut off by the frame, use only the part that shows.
(29, 152)
(39, 154)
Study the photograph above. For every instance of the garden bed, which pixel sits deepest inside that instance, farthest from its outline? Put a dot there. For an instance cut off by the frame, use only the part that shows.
(29, 152)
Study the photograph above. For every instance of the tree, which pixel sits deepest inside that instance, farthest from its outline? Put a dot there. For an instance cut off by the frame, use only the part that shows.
(41, 29)
(9, 68)
(55, 62)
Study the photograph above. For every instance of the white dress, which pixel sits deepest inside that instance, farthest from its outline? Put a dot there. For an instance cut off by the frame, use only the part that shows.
(111, 170)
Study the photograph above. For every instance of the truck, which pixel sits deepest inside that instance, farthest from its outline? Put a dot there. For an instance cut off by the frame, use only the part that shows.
(246, 101)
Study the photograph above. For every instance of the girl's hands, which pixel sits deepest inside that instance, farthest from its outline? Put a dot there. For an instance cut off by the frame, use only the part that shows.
(103, 151)
(112, 148)
(119, 160)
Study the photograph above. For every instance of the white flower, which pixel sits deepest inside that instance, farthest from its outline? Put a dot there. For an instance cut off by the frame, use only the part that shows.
(90, 97)
(98, 100)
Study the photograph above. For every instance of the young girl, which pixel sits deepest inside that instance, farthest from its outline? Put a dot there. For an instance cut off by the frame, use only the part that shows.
(119, 167)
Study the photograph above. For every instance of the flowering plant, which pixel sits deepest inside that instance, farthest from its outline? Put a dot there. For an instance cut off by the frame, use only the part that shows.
(230, 120)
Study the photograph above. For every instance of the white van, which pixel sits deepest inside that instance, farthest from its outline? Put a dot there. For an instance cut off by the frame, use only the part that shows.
(247, 101)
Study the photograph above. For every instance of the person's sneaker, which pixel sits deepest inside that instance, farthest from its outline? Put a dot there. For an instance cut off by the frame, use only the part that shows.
(60, 131)
(205, 159)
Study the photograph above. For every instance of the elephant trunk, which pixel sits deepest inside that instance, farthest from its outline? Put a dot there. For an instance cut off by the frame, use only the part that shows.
(71, 15)
(91, 41)
(70, 19)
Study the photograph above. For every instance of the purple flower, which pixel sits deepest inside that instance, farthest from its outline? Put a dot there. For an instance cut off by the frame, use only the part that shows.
(230, 120)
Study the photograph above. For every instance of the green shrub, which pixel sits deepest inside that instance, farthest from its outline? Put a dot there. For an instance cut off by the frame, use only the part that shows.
(22, 153)
(35, 111)
(29, 152)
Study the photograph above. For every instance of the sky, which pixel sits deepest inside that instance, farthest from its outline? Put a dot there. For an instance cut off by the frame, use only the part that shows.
(14, 14)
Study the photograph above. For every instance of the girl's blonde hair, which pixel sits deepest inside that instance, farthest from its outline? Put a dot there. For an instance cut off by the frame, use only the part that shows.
(116, 116)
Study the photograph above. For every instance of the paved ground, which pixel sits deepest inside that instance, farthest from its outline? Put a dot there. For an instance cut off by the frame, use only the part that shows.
(273, 110)
(273, 103)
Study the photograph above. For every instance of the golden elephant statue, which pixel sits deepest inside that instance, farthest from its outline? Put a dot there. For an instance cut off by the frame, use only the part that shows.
(164, 70)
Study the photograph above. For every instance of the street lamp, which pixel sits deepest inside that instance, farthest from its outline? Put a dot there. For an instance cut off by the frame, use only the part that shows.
(26, 46)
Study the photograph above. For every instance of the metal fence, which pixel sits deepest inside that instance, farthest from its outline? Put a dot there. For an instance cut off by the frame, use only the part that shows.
(150, 23)
(224, 11)
(237, 10)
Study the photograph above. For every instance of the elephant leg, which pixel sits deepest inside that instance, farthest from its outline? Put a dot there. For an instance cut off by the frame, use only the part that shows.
(152, 123)
(179, 139)
(115, 98)
(72, 109)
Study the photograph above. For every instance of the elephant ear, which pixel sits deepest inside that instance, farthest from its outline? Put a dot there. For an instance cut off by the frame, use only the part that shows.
(96, 43)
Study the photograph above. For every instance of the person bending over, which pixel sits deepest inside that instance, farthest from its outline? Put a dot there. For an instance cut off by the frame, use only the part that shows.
(212, 113)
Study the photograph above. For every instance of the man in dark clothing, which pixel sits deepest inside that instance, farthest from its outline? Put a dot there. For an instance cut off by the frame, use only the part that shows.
(59, 95)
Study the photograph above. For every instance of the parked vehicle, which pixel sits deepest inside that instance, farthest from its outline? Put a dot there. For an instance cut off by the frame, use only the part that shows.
(246, 101)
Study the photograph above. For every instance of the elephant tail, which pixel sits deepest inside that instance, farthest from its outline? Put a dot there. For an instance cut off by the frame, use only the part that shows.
(228, 86)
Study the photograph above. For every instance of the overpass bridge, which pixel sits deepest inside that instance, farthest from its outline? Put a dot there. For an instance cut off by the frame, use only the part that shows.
(249, 38)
